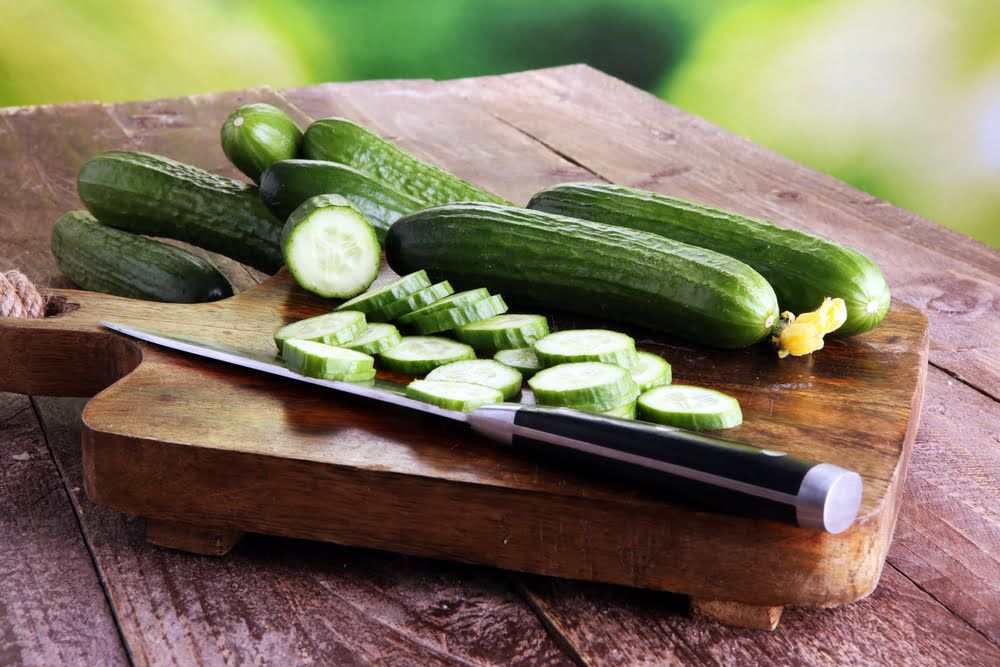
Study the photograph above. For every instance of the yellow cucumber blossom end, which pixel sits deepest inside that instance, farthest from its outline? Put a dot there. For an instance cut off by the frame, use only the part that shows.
(798, 336)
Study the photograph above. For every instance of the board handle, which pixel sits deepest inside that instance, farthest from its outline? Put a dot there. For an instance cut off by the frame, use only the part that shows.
(695, 467)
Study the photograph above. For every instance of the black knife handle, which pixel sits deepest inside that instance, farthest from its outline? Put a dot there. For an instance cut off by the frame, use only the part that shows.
(701, 468)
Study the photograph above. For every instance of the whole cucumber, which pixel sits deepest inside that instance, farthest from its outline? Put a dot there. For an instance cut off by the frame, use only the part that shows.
(255, 136)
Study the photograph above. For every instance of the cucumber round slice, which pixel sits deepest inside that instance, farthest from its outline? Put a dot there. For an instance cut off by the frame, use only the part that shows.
(504, 332)
(418, 299)
(417, 355)
(366, 376)
(581, 383)
(453, 301)
(330, 247)
(318, 360)
(332, 328)
(587, 345)
(480, 371)
(374, 339)
(627, 411)
(380, 297)
(523, 360)
(651, 371)
(690, 407)
(464, 396)
(445, 320)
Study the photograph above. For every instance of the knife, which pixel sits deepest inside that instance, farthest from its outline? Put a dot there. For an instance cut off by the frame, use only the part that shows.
(722, 474)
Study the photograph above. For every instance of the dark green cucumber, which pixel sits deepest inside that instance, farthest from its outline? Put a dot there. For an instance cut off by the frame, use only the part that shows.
(287, 183)
(255, 136)
(802, 268)
(157, 196)
(340, 140)
(539, 259)
(104, 259)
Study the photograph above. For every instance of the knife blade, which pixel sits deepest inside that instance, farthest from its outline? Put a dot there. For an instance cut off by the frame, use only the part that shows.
(723, 474)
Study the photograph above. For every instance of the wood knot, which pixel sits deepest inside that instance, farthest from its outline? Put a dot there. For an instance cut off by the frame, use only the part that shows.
(19, 298)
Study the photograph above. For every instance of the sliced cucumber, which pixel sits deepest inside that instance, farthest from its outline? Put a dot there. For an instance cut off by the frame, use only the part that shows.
(417, 355)
(331, 248)
(587, 345)
(452, 301)
(318, 360)
(504, 332)
(418, 299)
(651, 371)
(690, 407)
(374, 339)
(332, 328)
(463, 396)
(627, 411)
(480, 371)
(523, 360)
(600, 385)
(380, 297)
(445, 320)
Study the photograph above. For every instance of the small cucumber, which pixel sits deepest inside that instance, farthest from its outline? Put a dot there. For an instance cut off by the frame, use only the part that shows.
(418, 355)
(255, 136)
(327, 362)
(504, 332)
(690, 407)
(587, 345)
(463, 396)
(376, 338)
(480, 371)
(417, 300)
(651, 371)
(450, 318)
(377, 299)
(592, 383)
(523, 360)
(332, 329)
(450, 301)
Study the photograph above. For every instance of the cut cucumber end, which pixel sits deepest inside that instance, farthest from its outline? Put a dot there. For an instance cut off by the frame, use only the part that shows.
(690, 407)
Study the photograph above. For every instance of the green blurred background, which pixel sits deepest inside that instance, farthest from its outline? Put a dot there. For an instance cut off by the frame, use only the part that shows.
(898, 97)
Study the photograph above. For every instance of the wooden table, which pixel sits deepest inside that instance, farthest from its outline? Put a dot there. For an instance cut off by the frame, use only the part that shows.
(78, 583)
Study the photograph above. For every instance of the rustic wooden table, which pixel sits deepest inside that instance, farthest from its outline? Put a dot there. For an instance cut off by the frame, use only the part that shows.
(79, 585)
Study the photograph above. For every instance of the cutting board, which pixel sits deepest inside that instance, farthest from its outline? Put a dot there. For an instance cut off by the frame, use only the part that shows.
(205, 452)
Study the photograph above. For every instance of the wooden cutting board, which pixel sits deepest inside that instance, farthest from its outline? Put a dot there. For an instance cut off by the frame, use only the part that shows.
(205, 451)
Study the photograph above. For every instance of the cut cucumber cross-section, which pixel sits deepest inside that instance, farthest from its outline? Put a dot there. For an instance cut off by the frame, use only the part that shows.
(464, 396)
(504, 332)
(418, 299)
(332, 328)
(417, 355)
(330, 247)
(480, 371)
(380, 297)
(651, 371)
(326, 361)
(690, 407)
(374, 339)
(594, 384)
(450, 318)
(452, 301)
(587, 345)
(523, 360)
(627, 411)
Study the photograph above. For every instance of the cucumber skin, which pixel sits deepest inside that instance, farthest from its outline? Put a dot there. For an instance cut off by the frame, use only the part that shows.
(265, 136)
(539, 259)
(340, 140)
(157, 196)
(104, 259)
(802, 268)
(287, 183)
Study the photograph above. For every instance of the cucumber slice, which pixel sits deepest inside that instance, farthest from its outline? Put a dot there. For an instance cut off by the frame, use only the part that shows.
(417, 355)
(318, 360)
(603, 386)
(453, 301)
(504, 332)
(418, 299)
(480, 371)
(587, 345)
(523, 360)
(445, 320)
(382, 296)
(463, 396)
(366, 376)
(332, 328)
(690, 407)
(330, 247)
(651, 371)
(374, 339)
(627, 411)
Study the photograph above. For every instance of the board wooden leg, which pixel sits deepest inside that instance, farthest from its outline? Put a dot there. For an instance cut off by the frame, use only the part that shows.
(189, 537)
(737, 613)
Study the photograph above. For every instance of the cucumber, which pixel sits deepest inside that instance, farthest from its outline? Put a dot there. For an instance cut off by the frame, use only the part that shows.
(376, 338)
(257, 135)
(504, 332)
(104, 259)
(552, 261)
(627, 411)
(340, 140)
(463, 396)
(332, 329)
(377, 299)
(417, 300)
(802, 268)
(610, 347)
(327, 362)
(690, 407)
(590, 383)
(450, 318)
(450, 301)
(418, 355)
(157, 196)
(523, 360)
(480, 371)
(287, 183)
(651, 371)
(330, 248)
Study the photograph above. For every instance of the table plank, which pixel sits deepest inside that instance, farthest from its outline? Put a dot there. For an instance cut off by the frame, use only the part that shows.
(52, 606)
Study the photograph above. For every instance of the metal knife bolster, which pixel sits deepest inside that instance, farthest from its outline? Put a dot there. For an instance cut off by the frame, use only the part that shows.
(716, 472)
